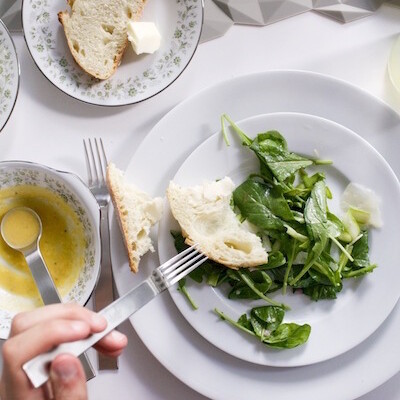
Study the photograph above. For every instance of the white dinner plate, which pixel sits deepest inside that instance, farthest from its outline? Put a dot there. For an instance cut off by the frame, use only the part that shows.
(344, 322)
(161, 326)
(9, 75)
(138, 77)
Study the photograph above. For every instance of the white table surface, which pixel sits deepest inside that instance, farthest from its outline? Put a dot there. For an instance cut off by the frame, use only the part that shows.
(47, 126)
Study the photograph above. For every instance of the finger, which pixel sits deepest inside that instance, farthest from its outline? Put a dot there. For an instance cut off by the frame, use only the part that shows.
(68, 378)
(114, 342)
(26, 320)
(41, 338)
(113, 354)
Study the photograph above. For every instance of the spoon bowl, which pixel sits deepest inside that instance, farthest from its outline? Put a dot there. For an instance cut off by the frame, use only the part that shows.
(21, 229)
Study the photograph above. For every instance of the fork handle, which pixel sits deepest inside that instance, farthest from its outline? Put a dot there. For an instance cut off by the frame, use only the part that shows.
(104, 292)
(117, 312)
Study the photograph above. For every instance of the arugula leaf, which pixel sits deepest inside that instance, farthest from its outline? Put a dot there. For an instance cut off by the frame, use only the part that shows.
(242, 291)
(250, 283)
(359, 272)
(182, 288)
(310, 181)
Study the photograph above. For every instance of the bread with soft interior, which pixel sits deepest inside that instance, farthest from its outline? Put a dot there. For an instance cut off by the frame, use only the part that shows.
(206, 217)
(136, 211)
(96, 32)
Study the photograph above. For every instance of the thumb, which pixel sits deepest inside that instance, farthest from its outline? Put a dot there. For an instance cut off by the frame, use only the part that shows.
(67, 378)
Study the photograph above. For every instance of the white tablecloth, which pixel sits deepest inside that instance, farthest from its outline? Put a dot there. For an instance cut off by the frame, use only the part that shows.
(47, 126)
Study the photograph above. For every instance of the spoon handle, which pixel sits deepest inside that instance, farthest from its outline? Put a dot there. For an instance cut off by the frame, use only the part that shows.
(50, 295)
(42, 277)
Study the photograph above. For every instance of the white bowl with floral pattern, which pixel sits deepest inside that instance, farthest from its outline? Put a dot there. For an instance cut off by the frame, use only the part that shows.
(9, 75)
(79, 198)
(138, 77)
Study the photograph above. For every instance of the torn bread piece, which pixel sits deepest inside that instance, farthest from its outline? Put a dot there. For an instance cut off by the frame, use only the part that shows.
(136, 211)
(96, 32)
(206, 218)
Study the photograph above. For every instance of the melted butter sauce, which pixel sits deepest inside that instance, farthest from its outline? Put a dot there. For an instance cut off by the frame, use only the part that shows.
(62, 243)
(20, 228)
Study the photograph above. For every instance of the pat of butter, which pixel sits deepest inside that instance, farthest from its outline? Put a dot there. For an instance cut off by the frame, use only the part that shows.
(144, 37)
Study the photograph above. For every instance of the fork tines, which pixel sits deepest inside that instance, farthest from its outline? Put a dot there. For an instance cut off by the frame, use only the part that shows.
(99, 168)
(182, 264)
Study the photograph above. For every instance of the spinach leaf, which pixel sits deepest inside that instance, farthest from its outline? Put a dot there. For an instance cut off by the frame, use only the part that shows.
(245, 322)
(360, 252)
(334, 225)
(275, 259)
(270, 317)
(254, 203)
(242, 291)
(288, 336)
(315, 215)
(271, 149)
(266, 323)
(321, 292)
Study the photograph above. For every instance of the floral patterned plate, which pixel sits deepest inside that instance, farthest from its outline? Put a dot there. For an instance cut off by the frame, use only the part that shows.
(138, 77)
(9, 75)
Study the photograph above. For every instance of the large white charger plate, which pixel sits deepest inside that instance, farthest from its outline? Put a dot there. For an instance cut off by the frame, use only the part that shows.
(9, 75)
(138, 77)
(161, 326)
(361, 306)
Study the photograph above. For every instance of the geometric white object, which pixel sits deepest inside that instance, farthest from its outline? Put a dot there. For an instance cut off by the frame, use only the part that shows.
(216, 22)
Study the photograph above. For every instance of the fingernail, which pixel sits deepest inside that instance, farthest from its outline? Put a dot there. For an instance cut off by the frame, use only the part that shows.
(65, 370)
(118, 336)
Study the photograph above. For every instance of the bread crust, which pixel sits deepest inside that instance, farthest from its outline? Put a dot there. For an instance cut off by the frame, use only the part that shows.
(133, 263)
(118, 57)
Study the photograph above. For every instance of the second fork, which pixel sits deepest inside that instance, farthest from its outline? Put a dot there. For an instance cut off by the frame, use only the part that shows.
(104, 291)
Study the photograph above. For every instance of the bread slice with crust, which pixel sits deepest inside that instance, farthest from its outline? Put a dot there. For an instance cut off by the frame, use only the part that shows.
(206, 217)
(96, 32)
(136, 212)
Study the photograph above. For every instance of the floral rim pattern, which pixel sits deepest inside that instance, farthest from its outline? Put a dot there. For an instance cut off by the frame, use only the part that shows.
(41, 25)
(9, 75)
(87, 277)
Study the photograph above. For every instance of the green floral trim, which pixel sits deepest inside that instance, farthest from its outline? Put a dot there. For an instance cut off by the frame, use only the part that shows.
(8, 75)
(84, 285)
(70, 78)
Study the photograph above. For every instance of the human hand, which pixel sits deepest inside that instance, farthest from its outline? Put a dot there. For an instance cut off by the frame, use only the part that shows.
(38, 331)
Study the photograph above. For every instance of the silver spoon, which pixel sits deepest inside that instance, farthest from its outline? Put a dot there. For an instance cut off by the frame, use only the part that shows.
(31, 251)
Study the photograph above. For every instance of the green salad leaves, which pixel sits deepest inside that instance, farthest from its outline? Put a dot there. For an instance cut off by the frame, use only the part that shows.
(266, 324)
(311, 249)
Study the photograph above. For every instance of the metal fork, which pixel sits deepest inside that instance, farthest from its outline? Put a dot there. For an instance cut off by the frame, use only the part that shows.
(162, 278)
(104, 291)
